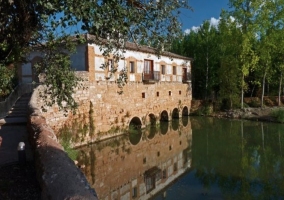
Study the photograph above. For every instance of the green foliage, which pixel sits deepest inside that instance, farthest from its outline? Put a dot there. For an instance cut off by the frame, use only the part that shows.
(65, 139)
(59, 78)
(279, 115)
(47, 26)
(7, 80)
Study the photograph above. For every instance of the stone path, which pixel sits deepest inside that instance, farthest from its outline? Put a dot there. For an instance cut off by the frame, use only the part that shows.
(13, 129)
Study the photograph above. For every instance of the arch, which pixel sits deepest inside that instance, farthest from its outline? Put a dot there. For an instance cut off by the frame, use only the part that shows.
(164, 116)
(175, 114)
(151, 128)
(175, 124)
(34, 61)
(164, 126)
(135, 132)
(136, 122)
(185, 111)
(184, 120)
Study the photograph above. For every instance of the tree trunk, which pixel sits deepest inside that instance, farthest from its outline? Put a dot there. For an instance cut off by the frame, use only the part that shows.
(207, 74)
(279, 91)
(263, 88)
(242, 100)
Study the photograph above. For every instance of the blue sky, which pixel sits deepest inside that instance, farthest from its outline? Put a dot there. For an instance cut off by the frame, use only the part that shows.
(202, 10)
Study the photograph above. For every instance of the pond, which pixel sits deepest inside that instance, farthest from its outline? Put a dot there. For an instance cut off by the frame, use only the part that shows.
(190, 158)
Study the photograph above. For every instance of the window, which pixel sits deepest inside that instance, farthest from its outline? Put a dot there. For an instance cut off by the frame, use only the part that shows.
(143, 95)
(131, 67)
(148, 66)
(150, 183)
(134, 192)
(158, 94)
(110, 64)
(170, 93)
(144, 160)
(164, 173)
(163, 69)
(179, 92)
(175, 167)
(174, 70)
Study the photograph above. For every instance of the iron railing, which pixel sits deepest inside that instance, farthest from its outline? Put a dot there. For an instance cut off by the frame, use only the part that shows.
(186, 78)
(151, 76)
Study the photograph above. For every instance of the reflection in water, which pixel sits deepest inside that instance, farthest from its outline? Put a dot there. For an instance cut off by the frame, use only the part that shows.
(164, 126)
(184, 120)
(232, 160)
(175, 124)
(135, 136)
(220, 159)
(117, 169)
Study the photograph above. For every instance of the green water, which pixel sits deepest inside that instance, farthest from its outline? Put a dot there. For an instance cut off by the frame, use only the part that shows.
(196, 158)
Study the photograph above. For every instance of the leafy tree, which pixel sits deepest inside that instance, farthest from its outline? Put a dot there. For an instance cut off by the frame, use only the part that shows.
(229, 73)
(112, 22)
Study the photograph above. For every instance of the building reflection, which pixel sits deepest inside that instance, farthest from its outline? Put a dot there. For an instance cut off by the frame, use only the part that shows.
(121, 169)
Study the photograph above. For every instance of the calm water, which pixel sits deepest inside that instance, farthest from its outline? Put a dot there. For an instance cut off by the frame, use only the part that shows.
(193, 158)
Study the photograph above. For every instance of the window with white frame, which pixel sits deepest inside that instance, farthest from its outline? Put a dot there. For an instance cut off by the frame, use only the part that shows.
(110, 64)
(174, 70)
(132, 67)
(163, 70)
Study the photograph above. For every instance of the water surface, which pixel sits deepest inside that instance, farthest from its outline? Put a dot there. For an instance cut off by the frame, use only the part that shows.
(190, 158)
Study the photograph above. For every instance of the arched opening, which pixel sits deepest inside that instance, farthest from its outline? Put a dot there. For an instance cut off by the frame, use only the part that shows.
(185, 111)
(151, 127)
(164, 122)
(164, 126)
(164, 116)
(175, 114)
(135, 132)
(184, 120)
(175, 124)
(36, 60)
(185, 115)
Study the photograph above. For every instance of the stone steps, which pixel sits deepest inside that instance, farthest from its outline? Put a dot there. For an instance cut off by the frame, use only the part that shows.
(18, 113)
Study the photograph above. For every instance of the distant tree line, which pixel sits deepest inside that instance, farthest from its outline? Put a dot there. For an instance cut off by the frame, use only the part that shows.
(243, 56)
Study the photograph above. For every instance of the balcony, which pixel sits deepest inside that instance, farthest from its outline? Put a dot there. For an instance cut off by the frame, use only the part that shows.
(151, 76)
(186, 78)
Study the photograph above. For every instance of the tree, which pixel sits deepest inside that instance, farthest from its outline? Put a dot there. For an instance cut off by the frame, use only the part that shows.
(112, 22)
(229, 72)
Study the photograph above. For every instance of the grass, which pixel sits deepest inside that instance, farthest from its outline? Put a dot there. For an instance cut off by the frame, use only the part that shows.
(65, 139)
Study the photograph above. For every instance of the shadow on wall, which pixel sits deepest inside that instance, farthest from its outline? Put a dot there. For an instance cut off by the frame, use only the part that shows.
(57, 174)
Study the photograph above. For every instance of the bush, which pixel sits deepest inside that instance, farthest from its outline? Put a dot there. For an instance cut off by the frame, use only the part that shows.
(268, 102)
(7, 80)
(279, 115)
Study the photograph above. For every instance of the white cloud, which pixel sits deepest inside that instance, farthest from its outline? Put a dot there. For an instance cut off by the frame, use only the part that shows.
(187, 31)
(214, 22)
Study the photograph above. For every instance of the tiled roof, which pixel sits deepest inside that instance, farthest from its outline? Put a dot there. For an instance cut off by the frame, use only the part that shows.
(142, 48)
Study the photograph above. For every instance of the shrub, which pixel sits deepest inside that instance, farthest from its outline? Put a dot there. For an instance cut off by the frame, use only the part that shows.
(279, 115)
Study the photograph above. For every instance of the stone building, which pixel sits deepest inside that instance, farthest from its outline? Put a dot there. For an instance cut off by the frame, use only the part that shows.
(158, 88)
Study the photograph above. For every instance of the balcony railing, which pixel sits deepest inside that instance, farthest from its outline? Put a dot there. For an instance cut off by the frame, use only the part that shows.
(186, 78)
(151, 76)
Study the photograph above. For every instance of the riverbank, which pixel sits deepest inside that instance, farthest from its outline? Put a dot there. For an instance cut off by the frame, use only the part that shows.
(255, 114)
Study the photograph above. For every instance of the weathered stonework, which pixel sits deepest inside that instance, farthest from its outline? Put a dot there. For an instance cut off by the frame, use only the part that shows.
(118, 170)
(158, 88)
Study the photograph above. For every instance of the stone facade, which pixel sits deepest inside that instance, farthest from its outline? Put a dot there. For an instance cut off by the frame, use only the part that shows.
(162, 96)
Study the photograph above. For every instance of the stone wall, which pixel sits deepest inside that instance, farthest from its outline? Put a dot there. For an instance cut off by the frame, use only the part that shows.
(57, 174)
(113, 111)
